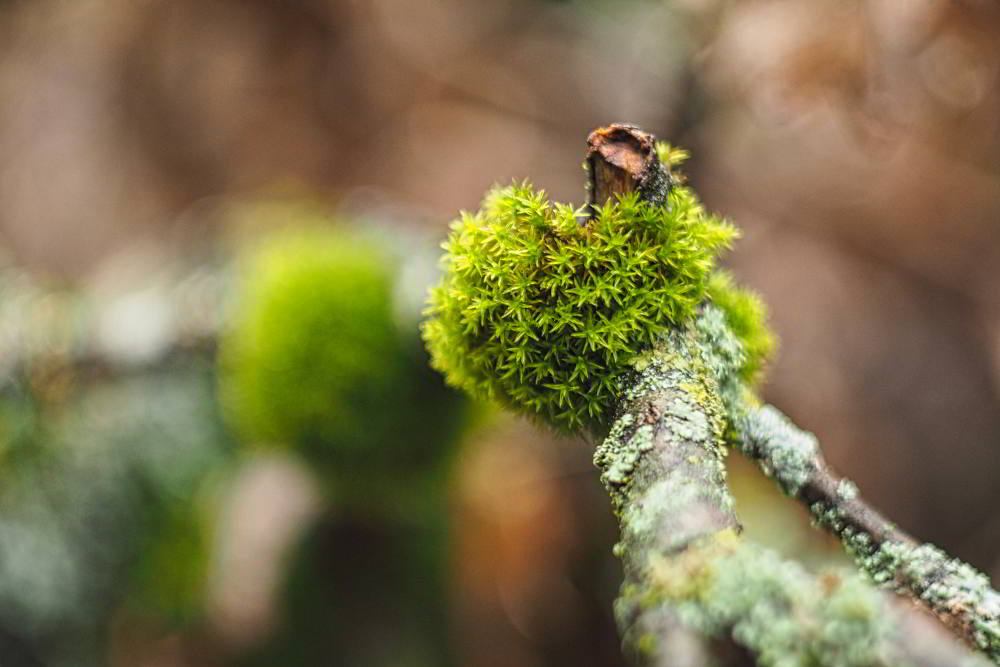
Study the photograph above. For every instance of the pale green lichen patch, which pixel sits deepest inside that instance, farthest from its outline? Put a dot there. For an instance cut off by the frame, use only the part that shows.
(954, 590)
(621, 464)
(673, 494)
(746, 319)
(847, 490)
(832, 518)
(672, 414)
(617, 455)
(779, 612)
(690, 422)
(689, 409)
(720, 350)
(724, 356)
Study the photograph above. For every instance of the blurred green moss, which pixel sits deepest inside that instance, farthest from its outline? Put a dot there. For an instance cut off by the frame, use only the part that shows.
(317, 361)
(171, 570)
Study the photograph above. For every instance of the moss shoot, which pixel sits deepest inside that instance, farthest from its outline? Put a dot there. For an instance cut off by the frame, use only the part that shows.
(317, 361)
(545, 314)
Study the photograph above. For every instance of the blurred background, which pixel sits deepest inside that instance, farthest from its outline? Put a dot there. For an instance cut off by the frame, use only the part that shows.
(144, 143)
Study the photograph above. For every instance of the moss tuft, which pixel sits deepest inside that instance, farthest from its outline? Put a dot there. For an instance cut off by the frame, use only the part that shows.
(746, 316)
(545, 314)
(672, 156)
(316, 360)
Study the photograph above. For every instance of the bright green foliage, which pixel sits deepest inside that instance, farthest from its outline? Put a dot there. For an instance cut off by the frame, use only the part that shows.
(544, 313)
(746, 316)
(672, 156)
(317, 361)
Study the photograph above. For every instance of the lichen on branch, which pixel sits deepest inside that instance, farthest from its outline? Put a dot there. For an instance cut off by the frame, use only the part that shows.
(951, 589)
(954, 591)
(688, 573)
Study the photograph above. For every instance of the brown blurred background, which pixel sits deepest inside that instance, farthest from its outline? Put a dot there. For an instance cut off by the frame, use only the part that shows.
(856, 143)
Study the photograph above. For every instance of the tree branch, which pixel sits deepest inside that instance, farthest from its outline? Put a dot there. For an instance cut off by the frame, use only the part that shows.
(955, 592)
(689, 578)
(693, 587)
(694, 590)
(667, 491)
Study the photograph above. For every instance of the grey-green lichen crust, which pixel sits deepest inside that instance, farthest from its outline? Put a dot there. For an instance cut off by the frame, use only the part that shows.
(791, 456)
(725, 587)
(959, 593)
(687, 409)
(791, 453)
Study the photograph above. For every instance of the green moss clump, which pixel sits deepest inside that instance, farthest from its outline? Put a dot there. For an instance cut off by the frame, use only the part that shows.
(544, 313)
(746, 316)
(316, 360)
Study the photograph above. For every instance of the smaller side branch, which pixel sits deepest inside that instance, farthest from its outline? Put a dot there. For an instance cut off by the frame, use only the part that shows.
(954, 591)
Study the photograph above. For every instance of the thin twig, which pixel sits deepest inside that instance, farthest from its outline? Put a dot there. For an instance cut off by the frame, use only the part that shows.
(954, 591)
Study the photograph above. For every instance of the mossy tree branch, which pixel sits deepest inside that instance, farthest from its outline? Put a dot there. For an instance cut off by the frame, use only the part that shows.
(664, 470)
(689, 578)
(693, 588)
